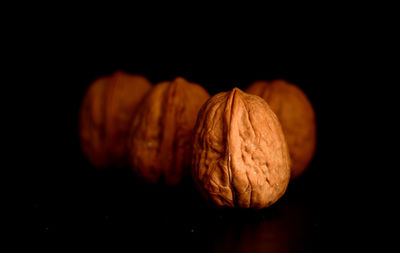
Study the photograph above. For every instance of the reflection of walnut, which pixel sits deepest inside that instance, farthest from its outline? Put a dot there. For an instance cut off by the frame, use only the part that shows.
(161, 133)
(240, 156)
(106, 114)
(297, 117)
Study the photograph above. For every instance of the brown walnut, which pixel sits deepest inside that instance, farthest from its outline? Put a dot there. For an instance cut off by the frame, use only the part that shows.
(240, 157)
(296, 116)
(105, 117)
(161, 133)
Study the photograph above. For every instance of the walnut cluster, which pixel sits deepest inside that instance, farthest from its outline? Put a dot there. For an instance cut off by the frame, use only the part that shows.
(240, 148)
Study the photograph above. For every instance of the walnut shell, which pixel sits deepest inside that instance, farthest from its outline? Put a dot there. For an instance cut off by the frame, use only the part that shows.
(296, 116)
(161, 133)
(105, 117)
(240, 157)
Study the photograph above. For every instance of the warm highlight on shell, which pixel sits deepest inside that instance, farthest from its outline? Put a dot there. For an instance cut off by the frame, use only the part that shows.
(240, 157)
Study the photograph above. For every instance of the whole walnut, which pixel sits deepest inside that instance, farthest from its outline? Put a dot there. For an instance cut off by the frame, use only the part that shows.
(105, 117)
(161, 133)
(296, 116)
(240, 157)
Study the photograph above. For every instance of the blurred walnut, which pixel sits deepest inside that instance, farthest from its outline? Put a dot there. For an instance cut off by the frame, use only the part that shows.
(297, 117)
(106, 114)
(161, 133)
(240, 156)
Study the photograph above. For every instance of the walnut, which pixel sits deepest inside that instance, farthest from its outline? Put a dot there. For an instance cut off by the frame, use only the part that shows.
(240, 157)
(296, 116)
(105, 117)
(161, 133)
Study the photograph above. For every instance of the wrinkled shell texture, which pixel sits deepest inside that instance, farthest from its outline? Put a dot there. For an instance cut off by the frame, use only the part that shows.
(240, 157)
(296, 116)
(105, 117)
(161, 134)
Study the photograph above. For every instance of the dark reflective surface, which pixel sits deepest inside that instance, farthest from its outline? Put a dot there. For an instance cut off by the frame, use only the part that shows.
(284, 230)
(113, 208)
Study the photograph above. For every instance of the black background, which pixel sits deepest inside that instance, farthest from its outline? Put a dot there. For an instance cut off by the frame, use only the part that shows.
(70, 202)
